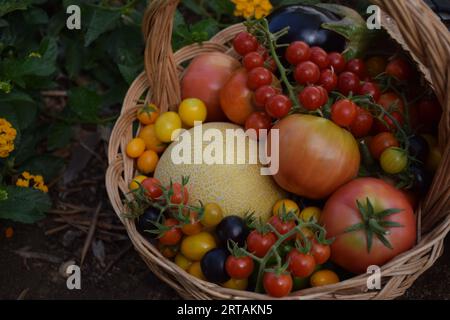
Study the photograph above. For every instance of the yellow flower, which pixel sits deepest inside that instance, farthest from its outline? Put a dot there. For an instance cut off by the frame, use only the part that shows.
(22, 183)
(7, 136)
(252, 8)
(27, 179)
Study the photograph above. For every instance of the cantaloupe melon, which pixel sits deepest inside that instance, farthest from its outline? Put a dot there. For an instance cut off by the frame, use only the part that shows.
(237, 188)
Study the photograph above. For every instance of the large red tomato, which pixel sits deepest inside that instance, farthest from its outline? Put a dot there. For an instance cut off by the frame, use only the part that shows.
(236, 98)
(350, 249)
(316, 156)
(205, 77)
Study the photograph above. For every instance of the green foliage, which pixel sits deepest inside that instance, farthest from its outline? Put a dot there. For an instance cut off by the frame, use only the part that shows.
(94, 66)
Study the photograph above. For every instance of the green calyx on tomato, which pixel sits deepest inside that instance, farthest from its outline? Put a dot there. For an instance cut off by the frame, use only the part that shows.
(374, 223)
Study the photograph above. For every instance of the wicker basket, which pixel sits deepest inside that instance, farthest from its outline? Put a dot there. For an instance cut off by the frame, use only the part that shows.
(412, 24)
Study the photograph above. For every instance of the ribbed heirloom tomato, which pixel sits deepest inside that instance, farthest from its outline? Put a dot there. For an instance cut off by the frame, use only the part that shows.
(236, 99)
(316, 156)
(359, 237)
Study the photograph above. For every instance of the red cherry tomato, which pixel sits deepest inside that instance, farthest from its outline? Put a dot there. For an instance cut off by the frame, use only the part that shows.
(259, 77)
(262, 51)
(307, 73)
(245, 43)
(259, 244)
(348, 82)
(277, 285)
(320, 57)
(337, 61)
(372, 89)
(390, 126)
(278, 106)
(152, 187)
(298, 52)
(324, 95)
(257, 121)
(271, 65)
(362, 124)
(392, 102)
(281, 226)
(329, 80)
(400, 69)
(253, 60)
(172, 235)
(343, 112)
(381, 142)
(311, 98)
(180, 194)
(239, 267)
(301, 265)
(429, 112)
(320, 252)
(263, 94)
(358, 67)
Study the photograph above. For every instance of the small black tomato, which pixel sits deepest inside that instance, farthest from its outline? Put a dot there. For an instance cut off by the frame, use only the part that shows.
(213, 265)
(422, 179)
(419, 148)
(146, 222)
(232, 228)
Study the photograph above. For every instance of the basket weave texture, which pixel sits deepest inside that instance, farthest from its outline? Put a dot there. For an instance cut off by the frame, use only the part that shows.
(412, 24)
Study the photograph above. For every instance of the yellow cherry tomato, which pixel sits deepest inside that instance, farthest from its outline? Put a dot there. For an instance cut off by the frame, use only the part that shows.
(375, 66)
(434, 159)
(183, 262)
(135, 148)
(323, 278)
(196, 246)
(168, 251)
(148, 134)
(148, 114)
(236, 284)
(212, 216)
(167, 125)
(196, 270)
(432, 141)
(288, 205)
(191, 110)
(393, 160)
(147, 162)
(136, 182)
(310, 213)
(307, 233)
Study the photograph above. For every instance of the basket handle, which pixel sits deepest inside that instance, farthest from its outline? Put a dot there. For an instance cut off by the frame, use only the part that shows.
(159, 61)
(417, 22)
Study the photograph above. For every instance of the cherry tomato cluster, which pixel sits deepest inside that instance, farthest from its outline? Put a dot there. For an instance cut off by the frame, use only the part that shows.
(267, 96)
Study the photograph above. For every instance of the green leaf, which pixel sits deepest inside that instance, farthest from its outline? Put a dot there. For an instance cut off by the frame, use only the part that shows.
(59, 136)
(74, 58)
(204, 30)
(102, 21)
(130, 73)
(36, 16)
(21, 115)
(291, 2)
(194, 6)
(7, 6)
(46, 165)
(25, 205)
(84, 103)
(3, 195)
